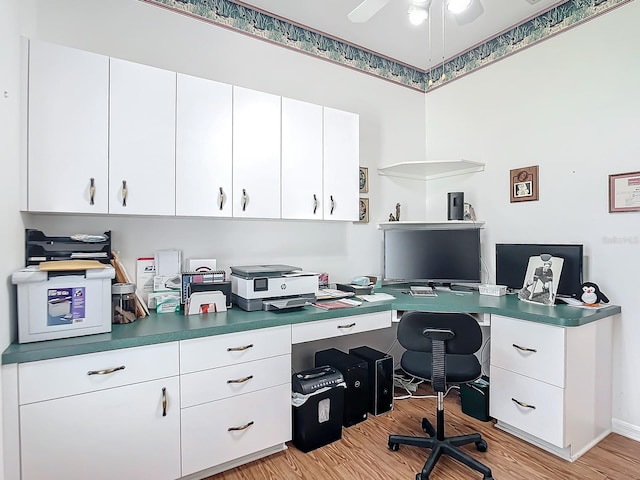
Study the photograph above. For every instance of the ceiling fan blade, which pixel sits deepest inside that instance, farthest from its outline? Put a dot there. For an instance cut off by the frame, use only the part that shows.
(366, 10)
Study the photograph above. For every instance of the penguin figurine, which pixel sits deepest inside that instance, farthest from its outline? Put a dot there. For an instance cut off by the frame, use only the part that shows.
(590, 294)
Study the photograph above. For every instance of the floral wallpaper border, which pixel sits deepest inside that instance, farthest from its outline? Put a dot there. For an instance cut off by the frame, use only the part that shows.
(236, 16)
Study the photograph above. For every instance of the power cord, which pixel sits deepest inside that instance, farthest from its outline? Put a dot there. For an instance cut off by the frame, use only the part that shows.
(410, 384)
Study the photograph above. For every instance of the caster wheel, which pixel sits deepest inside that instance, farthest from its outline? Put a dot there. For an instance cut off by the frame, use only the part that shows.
(420, 476)
(482, 446)
(394, 446)
(487, 478)
(428, 428)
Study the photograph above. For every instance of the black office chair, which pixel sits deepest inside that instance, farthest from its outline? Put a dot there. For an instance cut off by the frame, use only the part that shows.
(440, 348)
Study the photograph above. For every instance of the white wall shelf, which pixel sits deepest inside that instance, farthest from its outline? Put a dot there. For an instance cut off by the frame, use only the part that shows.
(431, 169)
(415, 225)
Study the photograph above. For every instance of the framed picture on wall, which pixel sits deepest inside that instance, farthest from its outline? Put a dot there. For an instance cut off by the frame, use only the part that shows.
(524, 184)
(363, 211)
(364, 179)
(624, 192)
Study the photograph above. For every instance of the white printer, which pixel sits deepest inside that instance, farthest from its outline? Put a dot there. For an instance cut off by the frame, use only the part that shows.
(272, 287)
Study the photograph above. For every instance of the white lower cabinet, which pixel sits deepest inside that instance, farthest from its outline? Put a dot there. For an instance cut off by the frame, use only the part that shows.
(235, 398)
(551, 385)
(126, 426)
(217, 432)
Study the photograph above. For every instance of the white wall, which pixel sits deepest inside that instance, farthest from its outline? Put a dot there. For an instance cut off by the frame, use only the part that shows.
(571, 106)
(391, 123)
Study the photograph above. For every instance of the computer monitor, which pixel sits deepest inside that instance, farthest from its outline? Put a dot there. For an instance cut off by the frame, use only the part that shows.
(512, 260)
(442, 256)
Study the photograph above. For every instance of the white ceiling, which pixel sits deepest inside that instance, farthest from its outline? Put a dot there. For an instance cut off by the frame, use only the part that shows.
(390, 34)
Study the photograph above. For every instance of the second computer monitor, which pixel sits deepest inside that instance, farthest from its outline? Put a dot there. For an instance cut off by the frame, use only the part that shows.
(512, 260)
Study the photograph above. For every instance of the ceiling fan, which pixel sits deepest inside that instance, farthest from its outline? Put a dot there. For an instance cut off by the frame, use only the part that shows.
(465, 11)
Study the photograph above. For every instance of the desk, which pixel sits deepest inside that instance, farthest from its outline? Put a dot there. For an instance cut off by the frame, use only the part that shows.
(165, 352)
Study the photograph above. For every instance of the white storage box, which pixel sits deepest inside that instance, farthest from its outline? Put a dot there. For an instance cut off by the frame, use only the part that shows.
(60, 305)
(494, 290)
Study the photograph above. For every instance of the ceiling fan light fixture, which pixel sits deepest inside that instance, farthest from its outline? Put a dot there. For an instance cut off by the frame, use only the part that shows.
(417, 15)
(471, 13)
(458, 6)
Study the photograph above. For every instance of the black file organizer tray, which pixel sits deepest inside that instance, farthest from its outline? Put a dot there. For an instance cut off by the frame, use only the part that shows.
(40, 248)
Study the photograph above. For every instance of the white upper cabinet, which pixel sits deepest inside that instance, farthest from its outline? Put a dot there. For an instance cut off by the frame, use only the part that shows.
(203, 147)
(341, 160)
(68, 130)
(256, 154)
(142, 139)
(301, 160)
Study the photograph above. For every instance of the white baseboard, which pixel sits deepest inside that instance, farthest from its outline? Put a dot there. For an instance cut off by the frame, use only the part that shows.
(626, 429)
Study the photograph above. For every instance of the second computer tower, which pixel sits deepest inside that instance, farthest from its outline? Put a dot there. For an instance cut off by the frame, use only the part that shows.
(380, 378)
(356, 375)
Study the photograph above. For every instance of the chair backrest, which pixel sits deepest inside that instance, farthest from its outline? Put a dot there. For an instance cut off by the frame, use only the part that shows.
(467, 337)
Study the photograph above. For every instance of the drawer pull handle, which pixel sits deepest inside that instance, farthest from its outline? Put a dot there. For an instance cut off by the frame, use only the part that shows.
(239, 349)
(92, 190)
(242, 427)
(221, 198)
(106, 371)
(333, 205)
(241, 380)
(347, 326)
(315, 203)
(523, 405)
(164, 401)
(525, 349)
(245, 199)
(124, 193)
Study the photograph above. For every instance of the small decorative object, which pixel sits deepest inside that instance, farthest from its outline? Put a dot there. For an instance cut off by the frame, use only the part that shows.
(397, 216)
(364, 180)
(524, 184)
(364, 210)
(591, 295)
(624, 192)
(469, 212)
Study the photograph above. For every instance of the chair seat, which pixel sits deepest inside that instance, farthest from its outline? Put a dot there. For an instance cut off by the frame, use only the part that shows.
(459, 368)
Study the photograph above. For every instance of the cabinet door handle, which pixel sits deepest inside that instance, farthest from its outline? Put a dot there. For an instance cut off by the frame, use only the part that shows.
(124, 193)
(523, 405)
(347, 326)
(315, 203)
(164, 401)
(240, 349)
(241, 380)
(242, 427)
(92, 190)
(333, 205)
(525, 349)
(221, 198)
(106, 371)
(244, 199)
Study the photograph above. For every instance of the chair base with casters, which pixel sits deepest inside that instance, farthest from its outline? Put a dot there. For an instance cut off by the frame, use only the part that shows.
(441, 445)
(440, 348)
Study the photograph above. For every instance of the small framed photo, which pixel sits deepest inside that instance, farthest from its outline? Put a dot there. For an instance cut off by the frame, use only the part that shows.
(364, 180)
(363, 211)
(524, 184)
(624, 192)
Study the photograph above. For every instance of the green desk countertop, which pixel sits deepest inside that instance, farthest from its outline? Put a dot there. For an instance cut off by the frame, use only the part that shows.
(170, 327)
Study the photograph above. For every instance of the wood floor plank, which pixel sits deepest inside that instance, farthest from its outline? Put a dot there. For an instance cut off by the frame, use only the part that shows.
(362, 453)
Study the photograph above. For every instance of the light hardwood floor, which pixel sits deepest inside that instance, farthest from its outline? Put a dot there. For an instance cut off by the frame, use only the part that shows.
(362, 453)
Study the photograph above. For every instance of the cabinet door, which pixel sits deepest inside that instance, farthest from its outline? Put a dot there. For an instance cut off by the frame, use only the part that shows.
(301, 160)
(256, 154)
(68, 136)
(142, 139)
(203, 147)
(341, 160)
(115, 433)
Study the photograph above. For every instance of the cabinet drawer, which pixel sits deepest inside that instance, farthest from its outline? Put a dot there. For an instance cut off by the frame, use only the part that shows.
(545, 421)
(528, 348)
(65, 376)
(263, 419)
(337, 327)
(218, 383)
(221, 350)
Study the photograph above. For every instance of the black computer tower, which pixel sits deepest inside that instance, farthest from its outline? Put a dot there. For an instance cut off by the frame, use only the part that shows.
(380, 378)
(356, 375)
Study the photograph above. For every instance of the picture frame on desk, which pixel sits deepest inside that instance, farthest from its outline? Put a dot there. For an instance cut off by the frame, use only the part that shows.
(624, 192)
(524, 184)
